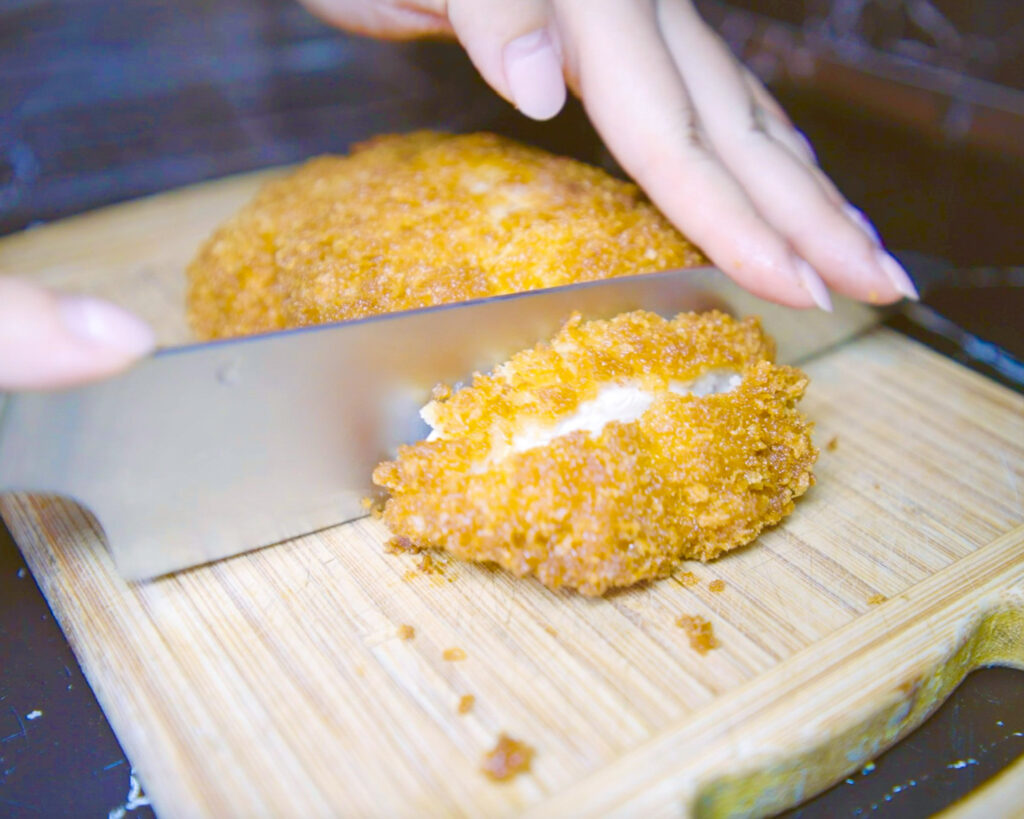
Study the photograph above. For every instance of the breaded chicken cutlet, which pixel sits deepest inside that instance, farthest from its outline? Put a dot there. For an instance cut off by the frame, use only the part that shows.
(417, 220)
(610, 454)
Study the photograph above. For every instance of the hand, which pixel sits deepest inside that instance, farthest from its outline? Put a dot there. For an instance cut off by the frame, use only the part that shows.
(50, 340)
(683, 117)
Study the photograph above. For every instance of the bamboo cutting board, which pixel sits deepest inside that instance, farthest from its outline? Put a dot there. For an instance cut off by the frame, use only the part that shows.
(276, 683)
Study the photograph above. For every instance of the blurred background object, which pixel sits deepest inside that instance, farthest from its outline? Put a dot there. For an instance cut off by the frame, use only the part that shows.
(916, 109)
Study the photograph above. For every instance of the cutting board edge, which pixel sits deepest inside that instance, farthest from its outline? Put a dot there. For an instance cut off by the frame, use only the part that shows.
(51, 235)
(985, 627)
(134, 734)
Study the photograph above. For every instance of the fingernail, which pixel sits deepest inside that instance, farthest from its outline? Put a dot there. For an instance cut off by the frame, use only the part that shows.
(103, 324)
(861, 221)
(813, 284)
(897, 275)
(534, 75)
(802, 137)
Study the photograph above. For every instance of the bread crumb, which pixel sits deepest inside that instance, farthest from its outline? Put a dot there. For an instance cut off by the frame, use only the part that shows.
(550, 630)
(430, 565)
(508, 758)
(702, 637)
(441, 392)
(466, 703)
(875, 599)
(717, 586)
(832, 444)
(399, 545)
(406, 632)
(687, 579)
(453, 655)
(878, 486)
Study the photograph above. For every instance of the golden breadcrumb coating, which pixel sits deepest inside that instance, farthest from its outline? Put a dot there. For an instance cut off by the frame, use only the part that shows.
(691, 477)
(416, 220)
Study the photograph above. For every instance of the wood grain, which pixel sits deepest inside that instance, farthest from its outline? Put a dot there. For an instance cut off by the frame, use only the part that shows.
(276, 684)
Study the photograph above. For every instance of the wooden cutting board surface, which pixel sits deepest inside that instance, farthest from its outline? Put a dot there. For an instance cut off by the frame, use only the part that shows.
(276, 684)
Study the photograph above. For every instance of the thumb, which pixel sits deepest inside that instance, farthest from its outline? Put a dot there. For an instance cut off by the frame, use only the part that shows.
(52, 340)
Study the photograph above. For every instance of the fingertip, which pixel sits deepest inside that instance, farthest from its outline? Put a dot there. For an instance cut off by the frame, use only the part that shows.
(50, 341)
(899, 277)
(105, 326)
(777, 277)
(813, 284)
(534, 75)
(862, 223)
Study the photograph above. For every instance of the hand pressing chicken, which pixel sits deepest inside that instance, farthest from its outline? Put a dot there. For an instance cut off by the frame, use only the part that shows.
(693, 127)
(683, 117)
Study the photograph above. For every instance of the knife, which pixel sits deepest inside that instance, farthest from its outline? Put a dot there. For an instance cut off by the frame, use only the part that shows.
(205, 451)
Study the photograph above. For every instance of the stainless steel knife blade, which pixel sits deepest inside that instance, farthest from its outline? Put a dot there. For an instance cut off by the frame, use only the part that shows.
(206, 451)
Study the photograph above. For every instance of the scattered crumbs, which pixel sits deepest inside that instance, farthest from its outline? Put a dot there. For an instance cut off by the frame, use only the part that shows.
(716, 586)
(433, 564)
(962, 763)
(702, 637)
(453, 655)
(849, 781)
(34, 714)
(508, 758)
(22, 574)
(466, 703)
(441, 392)
(867, 769)
(687, 579)
(832, 444)
(878, 486)
(550, 630)
(406, 632)
(400, 545)
(875, 599)
(999, 722)
(430, 565)
(136, 798)
(366, 503)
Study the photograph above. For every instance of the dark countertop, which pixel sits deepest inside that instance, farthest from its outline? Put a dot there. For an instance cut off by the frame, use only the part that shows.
(102, 101)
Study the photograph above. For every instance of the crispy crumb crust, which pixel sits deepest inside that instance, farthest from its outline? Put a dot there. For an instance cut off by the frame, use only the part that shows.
(691, 478)
(420, 219)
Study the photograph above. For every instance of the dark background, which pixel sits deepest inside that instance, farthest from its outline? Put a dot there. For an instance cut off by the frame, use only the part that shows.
(915, 107)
